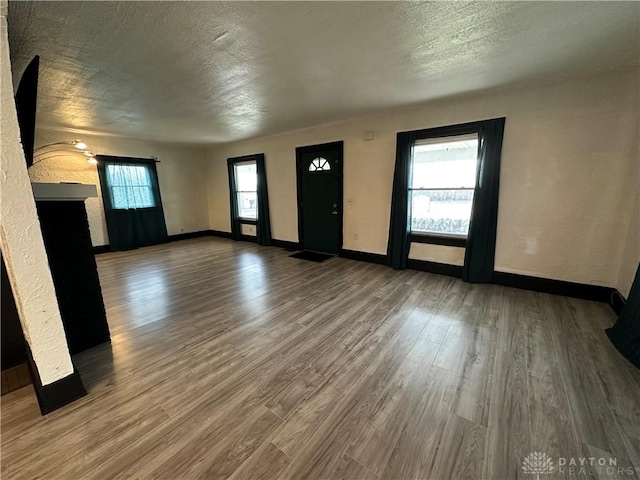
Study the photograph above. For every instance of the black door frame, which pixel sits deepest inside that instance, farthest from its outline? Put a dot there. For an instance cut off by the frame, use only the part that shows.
(339, 146)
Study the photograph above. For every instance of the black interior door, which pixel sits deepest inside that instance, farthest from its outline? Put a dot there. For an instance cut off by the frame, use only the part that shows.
(320, 192)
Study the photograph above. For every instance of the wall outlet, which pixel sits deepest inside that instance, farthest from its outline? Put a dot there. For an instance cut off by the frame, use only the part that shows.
(355, 236)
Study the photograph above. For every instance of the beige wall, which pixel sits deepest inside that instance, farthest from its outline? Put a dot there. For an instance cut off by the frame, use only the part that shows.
(568, 157)
(249, 230)
(437, 253)
(182, 186)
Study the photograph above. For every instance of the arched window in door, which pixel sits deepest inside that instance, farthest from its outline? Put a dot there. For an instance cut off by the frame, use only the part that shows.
(319, 164)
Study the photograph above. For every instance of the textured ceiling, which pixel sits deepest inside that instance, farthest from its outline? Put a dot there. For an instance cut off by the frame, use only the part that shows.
(208, 72)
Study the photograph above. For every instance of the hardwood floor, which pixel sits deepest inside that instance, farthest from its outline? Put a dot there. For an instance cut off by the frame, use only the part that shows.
(230, 360)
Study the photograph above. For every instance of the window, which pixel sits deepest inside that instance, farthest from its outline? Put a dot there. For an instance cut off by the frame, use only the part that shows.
(319, 164)
(246, 190)
(443, 183)
(130, 186)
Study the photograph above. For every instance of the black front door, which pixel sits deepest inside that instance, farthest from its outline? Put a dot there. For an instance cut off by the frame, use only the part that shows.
(320, 197)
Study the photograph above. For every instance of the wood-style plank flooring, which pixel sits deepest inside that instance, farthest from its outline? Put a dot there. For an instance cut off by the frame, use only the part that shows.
(230, 360)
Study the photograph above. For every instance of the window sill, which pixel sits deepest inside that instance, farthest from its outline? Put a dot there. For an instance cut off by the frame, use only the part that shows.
(132, 208)
(447, 240)
(248, 221)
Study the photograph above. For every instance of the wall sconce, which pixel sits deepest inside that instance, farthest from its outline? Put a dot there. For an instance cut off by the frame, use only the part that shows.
(77, 145)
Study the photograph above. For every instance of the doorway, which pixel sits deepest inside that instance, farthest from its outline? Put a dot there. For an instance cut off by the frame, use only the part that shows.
(319, 171)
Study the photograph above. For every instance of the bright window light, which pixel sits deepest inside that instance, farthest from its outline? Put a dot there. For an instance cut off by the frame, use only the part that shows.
(443, 182)
(130, 186)
(246, 190)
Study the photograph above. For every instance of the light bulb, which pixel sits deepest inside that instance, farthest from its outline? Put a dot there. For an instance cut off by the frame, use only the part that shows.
(92, 161)
(87, 153)
(80, 145)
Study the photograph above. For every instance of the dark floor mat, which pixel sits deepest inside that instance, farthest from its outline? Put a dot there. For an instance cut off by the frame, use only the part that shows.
(312, 256)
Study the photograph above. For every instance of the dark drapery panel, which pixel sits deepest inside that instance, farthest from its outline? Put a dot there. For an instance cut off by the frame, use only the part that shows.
(264, 221)
(625, 334)
(236, 233)
(400, 224)
(481, 240)
(131, 228)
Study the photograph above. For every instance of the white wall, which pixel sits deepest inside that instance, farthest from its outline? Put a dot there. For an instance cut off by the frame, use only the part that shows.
(22, 244)
(567, 174)
(182, 185)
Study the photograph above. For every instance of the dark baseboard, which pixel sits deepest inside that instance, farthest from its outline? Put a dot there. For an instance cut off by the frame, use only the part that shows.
(249, 238)
(170, 238)
(435, 267)
(617, 301)
(57, 394)
(101, 249)
(556, 287)
(218, 233)
(199, 234)
(287, 245)
(189, 235)
(363, 256)
(209, 233)
(596, 293)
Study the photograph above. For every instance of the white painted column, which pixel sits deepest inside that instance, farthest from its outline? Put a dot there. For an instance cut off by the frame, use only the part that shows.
(22, 244)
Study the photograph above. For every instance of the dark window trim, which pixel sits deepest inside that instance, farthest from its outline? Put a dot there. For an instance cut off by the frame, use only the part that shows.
(115, 159)
(447, 131)
(425, 189)
(140, 208)
(320, 146)
(246, 158)
(435, 239)
(442, 132)
(248, 221)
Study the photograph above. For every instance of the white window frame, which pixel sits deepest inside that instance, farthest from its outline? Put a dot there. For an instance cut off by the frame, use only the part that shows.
(434, 141)
(237, 192)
